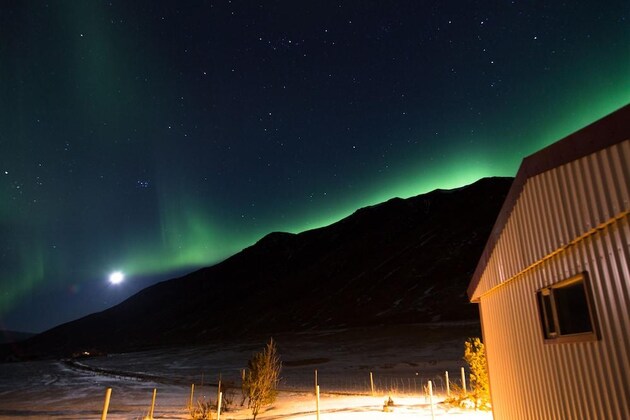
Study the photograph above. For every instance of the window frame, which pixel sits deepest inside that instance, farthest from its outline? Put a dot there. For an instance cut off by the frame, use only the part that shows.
(545, 320)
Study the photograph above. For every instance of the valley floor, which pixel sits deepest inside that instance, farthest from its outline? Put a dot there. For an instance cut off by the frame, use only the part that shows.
(401, 359)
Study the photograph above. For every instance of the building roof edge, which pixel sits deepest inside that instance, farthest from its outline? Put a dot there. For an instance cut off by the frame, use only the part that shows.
(605, 132)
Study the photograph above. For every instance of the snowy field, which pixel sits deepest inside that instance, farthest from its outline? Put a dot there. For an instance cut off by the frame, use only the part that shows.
(401, 359)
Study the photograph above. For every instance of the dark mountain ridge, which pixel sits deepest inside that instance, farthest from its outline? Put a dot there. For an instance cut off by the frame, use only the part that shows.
(9, 336)
(402, 261)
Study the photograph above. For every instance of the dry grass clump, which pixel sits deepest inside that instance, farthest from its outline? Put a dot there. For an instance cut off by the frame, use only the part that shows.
(478, 397)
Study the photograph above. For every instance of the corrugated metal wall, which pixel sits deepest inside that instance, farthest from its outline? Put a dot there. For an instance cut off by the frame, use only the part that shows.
(567, 220)
(558, 206)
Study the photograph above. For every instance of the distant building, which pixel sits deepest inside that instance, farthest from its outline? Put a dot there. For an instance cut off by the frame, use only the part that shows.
(553, 283)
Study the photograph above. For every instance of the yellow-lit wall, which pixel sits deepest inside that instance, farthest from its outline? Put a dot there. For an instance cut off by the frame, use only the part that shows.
(567, 220)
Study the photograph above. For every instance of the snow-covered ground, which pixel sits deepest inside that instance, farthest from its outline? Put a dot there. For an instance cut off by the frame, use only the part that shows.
(401, 359)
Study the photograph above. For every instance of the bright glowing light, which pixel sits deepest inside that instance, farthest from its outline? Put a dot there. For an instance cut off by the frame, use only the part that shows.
(116, 277)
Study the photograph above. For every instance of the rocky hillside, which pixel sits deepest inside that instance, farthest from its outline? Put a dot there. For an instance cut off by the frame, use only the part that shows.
(402, 261)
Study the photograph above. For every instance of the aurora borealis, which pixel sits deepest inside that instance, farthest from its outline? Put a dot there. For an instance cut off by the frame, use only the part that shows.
(155, 137)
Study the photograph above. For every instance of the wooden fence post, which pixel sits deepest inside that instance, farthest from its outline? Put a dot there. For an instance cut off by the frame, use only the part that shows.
(317, 401)
(219, 405)
(431, 399)
(219, 389)
(448, 385)
(372, 383)
(152, 403)
(108, 395)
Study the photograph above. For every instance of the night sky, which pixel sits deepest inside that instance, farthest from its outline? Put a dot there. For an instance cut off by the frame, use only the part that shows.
(156, 137)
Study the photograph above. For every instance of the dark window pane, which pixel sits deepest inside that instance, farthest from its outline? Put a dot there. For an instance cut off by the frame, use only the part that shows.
(572, 309)
(546, 315)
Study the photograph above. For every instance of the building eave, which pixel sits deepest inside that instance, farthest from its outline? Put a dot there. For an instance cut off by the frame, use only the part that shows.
(605, 132)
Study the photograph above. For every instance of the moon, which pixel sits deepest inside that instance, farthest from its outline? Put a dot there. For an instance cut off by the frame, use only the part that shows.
(116, 277)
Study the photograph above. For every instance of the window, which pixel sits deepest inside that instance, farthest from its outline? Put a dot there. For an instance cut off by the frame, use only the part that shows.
(566, 311)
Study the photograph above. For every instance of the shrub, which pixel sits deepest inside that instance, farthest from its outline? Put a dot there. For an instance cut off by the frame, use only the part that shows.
(388, 404)
(229, 393)
(202, 411)
(478, 395)
(261, 378)
(475, 356)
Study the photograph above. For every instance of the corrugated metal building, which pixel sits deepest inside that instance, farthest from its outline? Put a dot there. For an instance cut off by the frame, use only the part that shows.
(553, 283)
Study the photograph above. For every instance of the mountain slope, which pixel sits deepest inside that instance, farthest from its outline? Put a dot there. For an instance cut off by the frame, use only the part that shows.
(402, 261)
(8, 336)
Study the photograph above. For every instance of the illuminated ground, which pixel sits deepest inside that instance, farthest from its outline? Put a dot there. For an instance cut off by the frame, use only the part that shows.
(340, 407)
(402, 360)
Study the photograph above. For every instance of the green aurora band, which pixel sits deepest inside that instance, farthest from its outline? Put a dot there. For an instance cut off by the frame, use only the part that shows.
(192, 239)
(182, 232)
